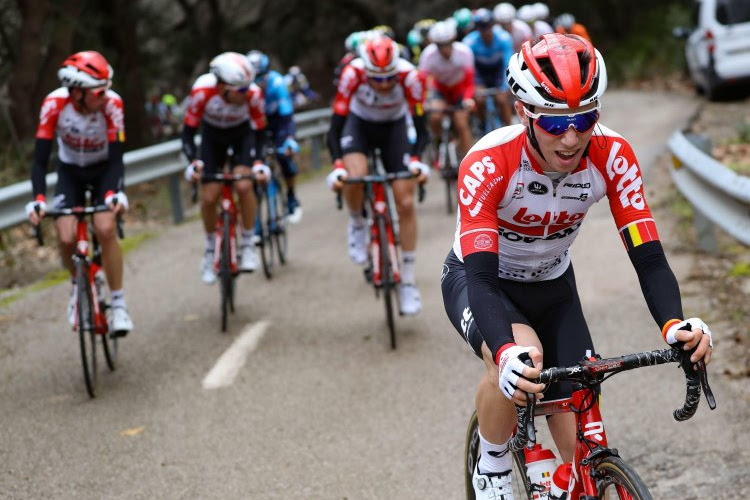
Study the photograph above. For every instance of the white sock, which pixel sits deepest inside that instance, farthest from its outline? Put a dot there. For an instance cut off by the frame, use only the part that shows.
(210, 241)
(118, 298)
(247, 236)
(493, 458)
(408, 275)
(357, 219)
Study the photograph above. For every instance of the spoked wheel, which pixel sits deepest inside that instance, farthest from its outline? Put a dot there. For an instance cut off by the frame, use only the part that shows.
(109, 342)
(386, 279)
(279, 226)
(225, 273)
(86, 329)
(471, 456)
(266, 241)
(617, 480)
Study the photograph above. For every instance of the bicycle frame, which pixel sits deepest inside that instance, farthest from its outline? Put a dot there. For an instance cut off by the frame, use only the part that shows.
(229, 207)
(379, 201)
(86, 259)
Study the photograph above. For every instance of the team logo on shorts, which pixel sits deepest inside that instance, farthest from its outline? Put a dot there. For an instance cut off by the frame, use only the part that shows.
(445, 272)
(482, 242)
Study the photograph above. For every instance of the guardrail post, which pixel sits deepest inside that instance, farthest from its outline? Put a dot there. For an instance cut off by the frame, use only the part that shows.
(704, 228)
(175, 195)
(317, 143)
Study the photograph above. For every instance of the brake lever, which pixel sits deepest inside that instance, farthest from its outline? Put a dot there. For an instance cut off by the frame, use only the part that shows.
(421, 193)
(38, 228)
(703, 377)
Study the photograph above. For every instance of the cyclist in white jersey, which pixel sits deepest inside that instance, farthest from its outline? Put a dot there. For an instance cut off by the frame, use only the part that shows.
(89, 122)
(508, 283)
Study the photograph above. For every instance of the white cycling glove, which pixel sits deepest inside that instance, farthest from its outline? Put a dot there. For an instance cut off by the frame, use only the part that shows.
(262, 169)
(335, 175)
(511, 368)
(688, 324)
(416, 165)
(32, 205)
(192, 169)
(122, 199)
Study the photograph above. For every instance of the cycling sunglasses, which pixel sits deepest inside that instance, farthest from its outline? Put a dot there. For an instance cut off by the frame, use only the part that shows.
(240, 90)
(559, 124)
(99, 91)
(382, 79)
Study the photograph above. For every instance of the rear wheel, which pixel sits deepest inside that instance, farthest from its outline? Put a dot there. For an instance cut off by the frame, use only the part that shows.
(225, 272)
(109, 342)
(615, 479)
(279, 226)
(266, 241)
(86, 328)
(387, 279)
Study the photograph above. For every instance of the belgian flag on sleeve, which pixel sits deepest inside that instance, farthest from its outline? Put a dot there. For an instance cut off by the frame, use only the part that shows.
(638, 233)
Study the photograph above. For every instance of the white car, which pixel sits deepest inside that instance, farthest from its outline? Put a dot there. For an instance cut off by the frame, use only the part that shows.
(717, 46)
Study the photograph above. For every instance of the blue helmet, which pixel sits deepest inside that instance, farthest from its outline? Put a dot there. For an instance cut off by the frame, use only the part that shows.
(259, 61)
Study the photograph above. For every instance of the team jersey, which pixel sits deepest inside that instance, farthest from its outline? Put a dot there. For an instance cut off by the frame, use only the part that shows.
(490, 60)
(454, 75)
(276, 94)
(82, 138)
(206, 104)
(356, 96)
(509, 206)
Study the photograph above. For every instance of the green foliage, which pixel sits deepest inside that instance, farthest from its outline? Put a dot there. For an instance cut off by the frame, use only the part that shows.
(740, 269)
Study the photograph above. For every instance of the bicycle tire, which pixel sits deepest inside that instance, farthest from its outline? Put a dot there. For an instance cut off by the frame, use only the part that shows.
(86, 328)
(266, 242)
(279, 228)
(109, 343)
(616, 473)
(445, 172)
(225, 271)
(387, 282)
(471, 456)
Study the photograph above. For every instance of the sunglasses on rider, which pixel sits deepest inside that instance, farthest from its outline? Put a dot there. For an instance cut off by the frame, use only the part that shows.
(99, 92)
(559, 124)
(239, 90)
(382, 79)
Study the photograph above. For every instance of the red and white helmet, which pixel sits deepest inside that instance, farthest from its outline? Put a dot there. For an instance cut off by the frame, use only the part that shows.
(558, 72)
(87, 70)
(380, 55)
(233, 69)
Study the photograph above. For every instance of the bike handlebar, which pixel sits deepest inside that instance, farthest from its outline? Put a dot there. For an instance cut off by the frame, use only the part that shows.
(79, 212)
(378, 178)
(591, 372)
(227, 177)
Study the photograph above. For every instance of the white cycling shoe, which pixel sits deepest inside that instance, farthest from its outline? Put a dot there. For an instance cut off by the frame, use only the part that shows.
(492, 486)
(357, 238)
(249, 260)
(120, 322)
(207, 268)
(409, 299)
(72, 306)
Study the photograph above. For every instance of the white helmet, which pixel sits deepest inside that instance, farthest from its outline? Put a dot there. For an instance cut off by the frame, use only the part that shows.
(566, 21)
(504, 12)
(542, 11)
(232, 68)
(380, 56)
(527, 13)
(442, 32)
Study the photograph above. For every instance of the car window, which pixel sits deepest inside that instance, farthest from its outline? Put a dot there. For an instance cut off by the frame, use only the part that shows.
(732, 11)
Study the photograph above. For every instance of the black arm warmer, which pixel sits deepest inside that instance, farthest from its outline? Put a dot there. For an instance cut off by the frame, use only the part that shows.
(42, 150)
(334, 136)
(485, 302)
(423, 136)
(188, 142)
(658, 283)
(261, 137)
(116, 164)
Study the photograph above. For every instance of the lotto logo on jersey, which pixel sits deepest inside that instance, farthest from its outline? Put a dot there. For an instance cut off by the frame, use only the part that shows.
(474, 179)
(527, 219)
(629, 185)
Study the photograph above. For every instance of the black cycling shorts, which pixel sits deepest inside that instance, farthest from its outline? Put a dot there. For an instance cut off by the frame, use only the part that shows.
(72, 181)
(216, 142)
(362, 136)
(551, 307)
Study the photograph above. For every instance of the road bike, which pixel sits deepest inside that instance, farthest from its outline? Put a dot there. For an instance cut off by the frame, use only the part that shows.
(272, 221)
(492, 119)
(446, 159)
(226, 242)
(598, 471)
(383, 258)
(91, 291)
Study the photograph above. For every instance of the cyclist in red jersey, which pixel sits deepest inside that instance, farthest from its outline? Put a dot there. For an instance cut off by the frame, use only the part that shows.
(228, 108)
(375, 93)
(508, 284)
(88, 120)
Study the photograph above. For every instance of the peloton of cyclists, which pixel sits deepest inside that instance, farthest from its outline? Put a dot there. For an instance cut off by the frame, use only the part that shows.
(88, 119)
(228, 108)
(505, 15)
(375, 93)
(508, 284)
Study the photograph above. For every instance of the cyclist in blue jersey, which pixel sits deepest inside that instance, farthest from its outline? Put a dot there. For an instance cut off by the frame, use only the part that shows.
(280, 116)
(492, 47)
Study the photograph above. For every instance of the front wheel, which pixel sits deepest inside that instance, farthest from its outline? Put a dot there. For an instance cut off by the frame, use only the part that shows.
(616, 479)
(86, 328)
(279, 223)
(387, 279)
(265, 245)
(226, 279)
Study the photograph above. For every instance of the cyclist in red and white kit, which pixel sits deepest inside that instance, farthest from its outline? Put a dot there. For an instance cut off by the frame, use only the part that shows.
(508, 283)
(449, 68)
(376, 91)
(228, 108)
(89, 122)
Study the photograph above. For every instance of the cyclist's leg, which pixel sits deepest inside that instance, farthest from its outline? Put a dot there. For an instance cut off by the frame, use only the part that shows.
(282, 128)
(213, 154)
(395, 150)
(105, 227)
(69, 192)
(243, 145)
(436, 104)
(355, 145)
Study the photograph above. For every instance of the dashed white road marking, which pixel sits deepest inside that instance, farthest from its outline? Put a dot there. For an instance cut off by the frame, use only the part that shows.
(229, 364)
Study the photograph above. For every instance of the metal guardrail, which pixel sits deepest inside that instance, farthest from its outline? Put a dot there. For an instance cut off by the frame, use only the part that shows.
(717, 194)
(158, 161)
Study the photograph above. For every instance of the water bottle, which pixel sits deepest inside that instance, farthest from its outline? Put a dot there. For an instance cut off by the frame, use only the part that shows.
(540, 464)
(560, 482)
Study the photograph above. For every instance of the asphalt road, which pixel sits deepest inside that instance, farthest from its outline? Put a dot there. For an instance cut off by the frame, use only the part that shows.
(321, 408)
